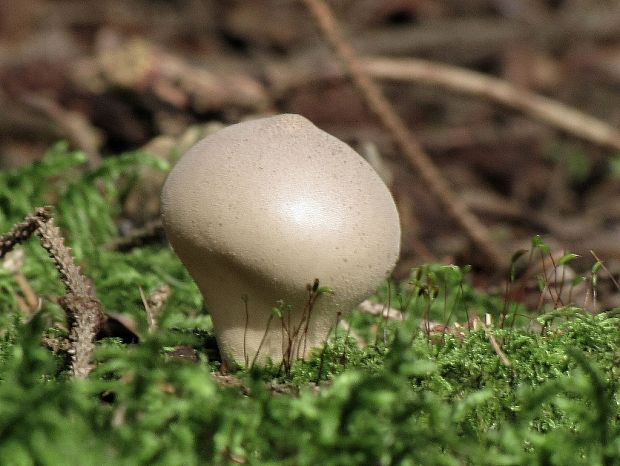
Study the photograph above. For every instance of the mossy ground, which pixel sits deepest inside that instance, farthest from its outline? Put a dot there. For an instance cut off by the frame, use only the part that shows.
(406, 398)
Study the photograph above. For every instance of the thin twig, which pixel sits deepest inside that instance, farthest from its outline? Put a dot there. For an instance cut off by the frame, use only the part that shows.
(19, 233)
(416, 156)
(497, 90)
(14, 263)
(502, 356)
(151, 231)
(154, 303)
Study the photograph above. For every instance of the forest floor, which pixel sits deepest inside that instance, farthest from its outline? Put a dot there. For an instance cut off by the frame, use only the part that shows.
(492, 122)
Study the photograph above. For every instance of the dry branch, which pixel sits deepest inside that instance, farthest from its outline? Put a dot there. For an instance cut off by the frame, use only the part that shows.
(151, 231)
(23, 230)
(461, 80)
(466, 39)
(84, 311)
(497, 90)
(73, 125)
(416, 156)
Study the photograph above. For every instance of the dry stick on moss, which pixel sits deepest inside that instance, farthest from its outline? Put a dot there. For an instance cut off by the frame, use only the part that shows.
(497, 90)
(151, 231)
(416, 156)
(494, 343)
(154, 303)
(150, 320)
(84, 311)
(30, 302)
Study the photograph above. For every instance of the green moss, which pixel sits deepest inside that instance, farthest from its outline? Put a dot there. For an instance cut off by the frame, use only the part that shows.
(407, 398)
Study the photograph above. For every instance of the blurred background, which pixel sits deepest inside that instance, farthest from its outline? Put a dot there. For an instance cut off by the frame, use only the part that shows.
(111, 76)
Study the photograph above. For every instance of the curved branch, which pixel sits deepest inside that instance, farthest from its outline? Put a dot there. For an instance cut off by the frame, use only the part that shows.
(497, 90)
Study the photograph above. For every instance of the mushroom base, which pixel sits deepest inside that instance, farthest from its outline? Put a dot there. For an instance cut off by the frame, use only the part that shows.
(253, 326)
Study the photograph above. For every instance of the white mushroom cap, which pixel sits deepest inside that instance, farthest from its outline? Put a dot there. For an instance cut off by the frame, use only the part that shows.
(262, 208)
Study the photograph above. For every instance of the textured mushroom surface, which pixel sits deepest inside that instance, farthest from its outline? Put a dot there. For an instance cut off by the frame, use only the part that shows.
(259, 210)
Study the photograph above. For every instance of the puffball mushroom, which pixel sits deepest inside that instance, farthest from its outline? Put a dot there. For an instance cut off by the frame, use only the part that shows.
(259, 210)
